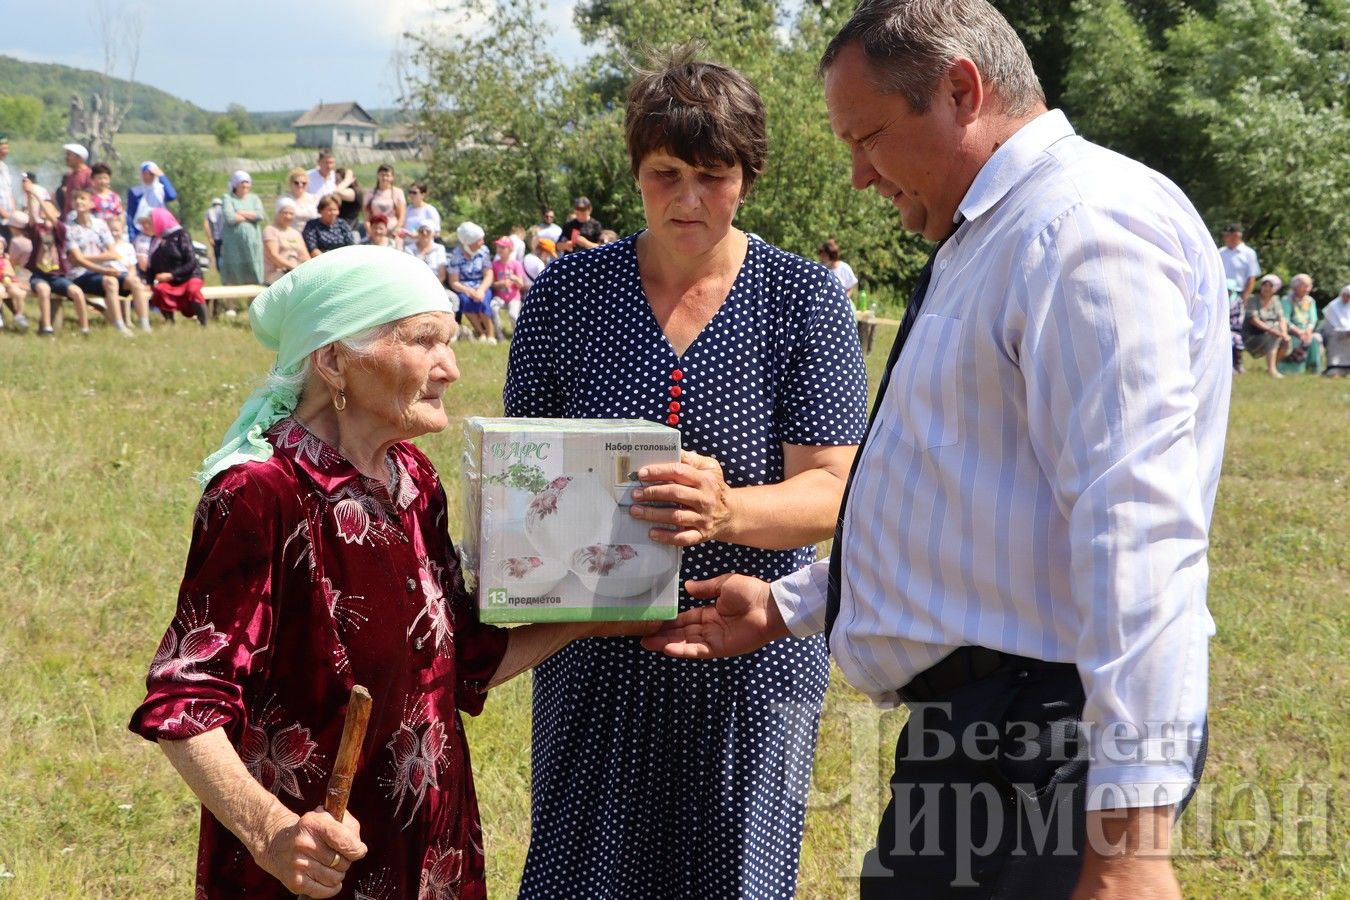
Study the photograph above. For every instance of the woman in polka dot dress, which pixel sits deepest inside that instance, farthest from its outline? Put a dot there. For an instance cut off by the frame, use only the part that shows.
(655, 777)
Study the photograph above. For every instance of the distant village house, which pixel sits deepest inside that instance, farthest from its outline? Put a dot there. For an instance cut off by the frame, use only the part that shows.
(336, 125)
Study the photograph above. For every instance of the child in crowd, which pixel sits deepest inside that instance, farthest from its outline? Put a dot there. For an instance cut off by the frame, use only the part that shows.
(11, 290)
(127, 264)
(508, 278)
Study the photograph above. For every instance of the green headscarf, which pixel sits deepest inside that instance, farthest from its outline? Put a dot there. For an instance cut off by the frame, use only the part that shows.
(340, 294)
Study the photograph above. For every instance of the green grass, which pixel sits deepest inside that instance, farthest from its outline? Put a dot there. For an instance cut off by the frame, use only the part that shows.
(99, 438)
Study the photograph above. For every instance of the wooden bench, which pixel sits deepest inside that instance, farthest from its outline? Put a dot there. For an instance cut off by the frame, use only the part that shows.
(245, 292)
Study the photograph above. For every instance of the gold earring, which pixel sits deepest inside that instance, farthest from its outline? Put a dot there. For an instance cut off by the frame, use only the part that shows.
(341, 402)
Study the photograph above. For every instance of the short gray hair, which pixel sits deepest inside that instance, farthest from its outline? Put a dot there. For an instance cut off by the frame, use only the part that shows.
(911, 44)
(359, 345)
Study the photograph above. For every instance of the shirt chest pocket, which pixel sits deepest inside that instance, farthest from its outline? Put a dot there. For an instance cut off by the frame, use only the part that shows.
(923, 399)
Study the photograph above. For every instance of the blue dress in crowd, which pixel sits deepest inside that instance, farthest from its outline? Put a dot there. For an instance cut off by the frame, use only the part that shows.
(656, 777)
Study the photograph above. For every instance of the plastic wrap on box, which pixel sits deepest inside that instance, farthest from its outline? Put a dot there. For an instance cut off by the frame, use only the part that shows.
(548, 536)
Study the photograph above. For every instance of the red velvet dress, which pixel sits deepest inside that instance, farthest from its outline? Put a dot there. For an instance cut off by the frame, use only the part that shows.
(303, 578)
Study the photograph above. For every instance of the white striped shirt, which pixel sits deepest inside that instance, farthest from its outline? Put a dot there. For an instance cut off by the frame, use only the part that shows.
(1041, 473)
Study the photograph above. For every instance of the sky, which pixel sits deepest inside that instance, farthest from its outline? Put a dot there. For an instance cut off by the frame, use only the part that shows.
(266, 54)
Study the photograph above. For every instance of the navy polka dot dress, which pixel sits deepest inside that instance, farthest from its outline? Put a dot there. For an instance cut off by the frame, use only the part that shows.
(655, 777)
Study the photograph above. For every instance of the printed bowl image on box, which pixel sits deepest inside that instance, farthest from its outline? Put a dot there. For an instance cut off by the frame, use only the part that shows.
(548, 535)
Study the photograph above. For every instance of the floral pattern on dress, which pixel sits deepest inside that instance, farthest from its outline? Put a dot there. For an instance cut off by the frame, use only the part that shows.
(191, 642)
(376, 886)
(216, 500)
(441, 874)
(417, 749)
(433, 622)
(279, 758)
(195, 719)
(307, 446)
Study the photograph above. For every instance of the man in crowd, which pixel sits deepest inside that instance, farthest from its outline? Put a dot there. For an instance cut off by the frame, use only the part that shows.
(154, 191)
(94, 267)
(7, 205)
(48, 272)
(323, 177)
(581, 232)
(1239, 260)
(79, 177)
(1021, 553)
(549, 228)
(213, 224)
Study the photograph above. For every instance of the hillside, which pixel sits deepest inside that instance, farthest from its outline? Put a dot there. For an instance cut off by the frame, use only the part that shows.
(153, 111)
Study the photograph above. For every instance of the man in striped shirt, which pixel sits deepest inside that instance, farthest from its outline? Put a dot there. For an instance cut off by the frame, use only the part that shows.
(1022, 548)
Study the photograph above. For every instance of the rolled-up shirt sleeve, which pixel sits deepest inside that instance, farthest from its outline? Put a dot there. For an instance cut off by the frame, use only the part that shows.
(1111, 407)
(801, 598)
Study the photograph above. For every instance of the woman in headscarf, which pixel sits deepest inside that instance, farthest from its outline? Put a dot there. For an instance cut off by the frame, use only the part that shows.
(320, 559)
(283, 246)
(242, 243)
(469, 269)
(175, 275)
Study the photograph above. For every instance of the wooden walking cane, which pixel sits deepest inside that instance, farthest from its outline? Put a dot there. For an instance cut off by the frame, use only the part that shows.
(349, 751)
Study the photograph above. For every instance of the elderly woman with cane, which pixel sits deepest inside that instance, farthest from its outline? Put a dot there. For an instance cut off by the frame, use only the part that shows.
(319, 560)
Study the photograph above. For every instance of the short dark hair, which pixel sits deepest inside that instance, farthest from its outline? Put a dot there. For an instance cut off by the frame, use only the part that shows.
(704, 113)
(830, 250)
(324, 152)
(385, 167)
(911, 44)
(328, 200)
(100, 169)
(1232, 228)
(419, 186)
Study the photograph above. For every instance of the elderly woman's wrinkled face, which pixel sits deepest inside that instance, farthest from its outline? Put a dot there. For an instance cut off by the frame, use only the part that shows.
(400, 385)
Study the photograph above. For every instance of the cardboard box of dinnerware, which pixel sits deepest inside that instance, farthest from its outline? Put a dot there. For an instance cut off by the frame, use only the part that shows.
(547, 532)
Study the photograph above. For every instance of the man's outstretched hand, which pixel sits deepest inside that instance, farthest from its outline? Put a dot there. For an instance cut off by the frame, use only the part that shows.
(743, 619)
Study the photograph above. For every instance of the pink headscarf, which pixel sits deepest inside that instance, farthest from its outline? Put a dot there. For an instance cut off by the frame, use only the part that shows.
(162, 221)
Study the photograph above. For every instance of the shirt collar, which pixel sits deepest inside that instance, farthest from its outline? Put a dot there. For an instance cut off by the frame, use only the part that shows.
(330, 470)
(1010, 162)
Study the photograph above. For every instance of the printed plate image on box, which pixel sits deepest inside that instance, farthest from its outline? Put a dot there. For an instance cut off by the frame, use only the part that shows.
(548, 537)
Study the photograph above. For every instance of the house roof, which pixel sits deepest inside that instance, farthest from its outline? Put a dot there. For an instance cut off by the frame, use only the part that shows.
(349, 113)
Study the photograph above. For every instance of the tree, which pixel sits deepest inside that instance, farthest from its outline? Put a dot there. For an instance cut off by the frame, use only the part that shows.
(226, 131)
(239, 115)
(185, 164)
(20, 116)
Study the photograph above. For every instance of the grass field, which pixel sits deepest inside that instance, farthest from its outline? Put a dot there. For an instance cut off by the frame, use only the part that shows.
(99, 437)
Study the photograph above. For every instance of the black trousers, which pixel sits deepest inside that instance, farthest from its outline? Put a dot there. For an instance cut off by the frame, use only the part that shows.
(988, 796)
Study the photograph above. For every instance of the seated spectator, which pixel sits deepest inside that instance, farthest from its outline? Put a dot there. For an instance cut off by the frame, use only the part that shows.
(1264, 330)
(283, 246)
(47, 267)
(241, 249)
(12, 290)
(155, 191)
(78, 178)
(1336, 315)
(89, 248)
(508, 278)
(1335, 331)
(469, 269)
(351, 199)
(828, 254)
(328, 231)
(428, 251)
(174, 271)
(419, 211)
(581, 232)
(213, 226)
(518, 248)
(306, 204)
(127, 264)
(542, 251)
(143, 243)
(1305, 344)
(106, 204)
(377, 232)
(386, 199)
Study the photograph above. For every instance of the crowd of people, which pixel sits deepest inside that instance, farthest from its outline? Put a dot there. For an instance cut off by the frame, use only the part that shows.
(1284, 331)
(85, 244)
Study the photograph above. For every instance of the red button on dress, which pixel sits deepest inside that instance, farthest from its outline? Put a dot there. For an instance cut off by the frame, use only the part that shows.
(677, 375)
(674, 406)
(672, 419)
(676, 390)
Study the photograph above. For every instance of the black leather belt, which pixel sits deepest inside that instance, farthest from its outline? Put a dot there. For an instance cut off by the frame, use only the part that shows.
(964, 666)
